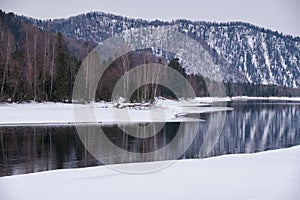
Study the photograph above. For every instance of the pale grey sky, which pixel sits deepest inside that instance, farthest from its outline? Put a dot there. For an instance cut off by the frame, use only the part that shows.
(280, 15)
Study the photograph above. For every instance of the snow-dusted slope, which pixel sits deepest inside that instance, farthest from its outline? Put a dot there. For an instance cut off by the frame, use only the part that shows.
(242, 51)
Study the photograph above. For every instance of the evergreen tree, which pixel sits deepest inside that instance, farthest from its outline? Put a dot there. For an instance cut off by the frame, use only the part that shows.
(174, 63)
(178, 84)
(62, 81)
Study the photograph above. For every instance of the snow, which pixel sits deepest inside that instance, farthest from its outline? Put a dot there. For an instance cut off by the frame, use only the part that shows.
(210, 99)
(251, 42)
(239, 98)
(283, 64)
(162, 110)
(245, 69)
(267, 175)
(267, 59)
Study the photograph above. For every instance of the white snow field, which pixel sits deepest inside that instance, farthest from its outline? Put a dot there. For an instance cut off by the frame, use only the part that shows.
(271, 175)
(295, 99)
(61, 113)
(162, 111)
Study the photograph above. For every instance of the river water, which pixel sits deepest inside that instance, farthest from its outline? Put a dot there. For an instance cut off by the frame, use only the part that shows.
(252, 126)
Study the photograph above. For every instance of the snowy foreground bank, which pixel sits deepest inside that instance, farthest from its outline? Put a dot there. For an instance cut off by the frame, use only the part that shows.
(268, 175)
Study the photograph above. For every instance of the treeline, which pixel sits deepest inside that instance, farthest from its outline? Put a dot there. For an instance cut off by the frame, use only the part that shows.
(35, 64)
(146, 92)
(202, 86)
(250, 89)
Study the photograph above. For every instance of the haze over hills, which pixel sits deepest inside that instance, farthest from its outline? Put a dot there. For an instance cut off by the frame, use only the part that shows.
(254, 54)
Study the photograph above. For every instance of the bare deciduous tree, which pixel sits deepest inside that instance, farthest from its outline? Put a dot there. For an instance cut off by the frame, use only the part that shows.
(6, 51)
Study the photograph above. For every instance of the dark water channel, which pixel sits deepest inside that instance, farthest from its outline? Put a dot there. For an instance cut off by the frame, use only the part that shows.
(252, 126)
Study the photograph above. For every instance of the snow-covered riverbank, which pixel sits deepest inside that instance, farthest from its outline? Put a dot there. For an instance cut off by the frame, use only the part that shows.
(268, 175)
(105, 112)
(292, 99)
(163, 110)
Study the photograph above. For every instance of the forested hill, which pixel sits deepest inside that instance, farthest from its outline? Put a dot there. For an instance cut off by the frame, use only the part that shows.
(35, 64)
(262, 56)
(39, 59)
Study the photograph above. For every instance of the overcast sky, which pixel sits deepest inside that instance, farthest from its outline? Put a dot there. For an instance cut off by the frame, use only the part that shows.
(280, 15)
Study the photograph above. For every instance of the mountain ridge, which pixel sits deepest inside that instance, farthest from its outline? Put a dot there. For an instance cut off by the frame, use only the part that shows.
(260, 55)
(249, 24)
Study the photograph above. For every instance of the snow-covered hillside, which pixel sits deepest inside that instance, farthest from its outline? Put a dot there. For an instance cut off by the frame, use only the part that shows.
(242, 51)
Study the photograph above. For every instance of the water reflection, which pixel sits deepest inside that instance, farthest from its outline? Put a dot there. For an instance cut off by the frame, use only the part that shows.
(116, 146)
(250, 127)
(254, 127)
(32, 149)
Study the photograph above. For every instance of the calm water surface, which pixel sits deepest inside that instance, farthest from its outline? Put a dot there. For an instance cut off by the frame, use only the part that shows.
(252, 126)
